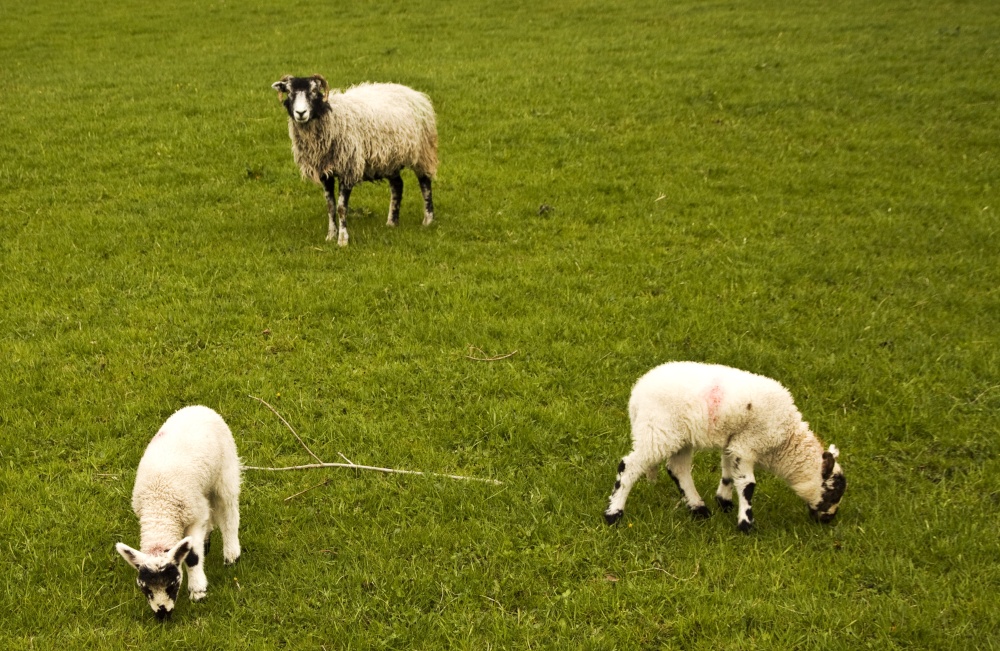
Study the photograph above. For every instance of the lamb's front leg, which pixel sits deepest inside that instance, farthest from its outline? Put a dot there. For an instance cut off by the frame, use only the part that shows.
(745, 483)
(724, 493)
(195, 560)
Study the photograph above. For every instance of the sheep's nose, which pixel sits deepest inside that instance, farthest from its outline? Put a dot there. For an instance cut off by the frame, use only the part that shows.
(300, 114)
(162, 614)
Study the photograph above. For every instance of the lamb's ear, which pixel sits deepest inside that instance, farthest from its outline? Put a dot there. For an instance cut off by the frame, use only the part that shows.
(828, 461)
(834, 451)
(134, 557)
(180, 551)
(319, 82)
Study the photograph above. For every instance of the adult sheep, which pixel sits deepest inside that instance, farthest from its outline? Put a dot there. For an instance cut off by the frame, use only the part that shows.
(680, 407)
(369, 132)
(188, 482)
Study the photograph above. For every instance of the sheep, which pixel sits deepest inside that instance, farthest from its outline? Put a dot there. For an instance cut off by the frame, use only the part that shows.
(369, 132)
(188, 482)
(680, 407)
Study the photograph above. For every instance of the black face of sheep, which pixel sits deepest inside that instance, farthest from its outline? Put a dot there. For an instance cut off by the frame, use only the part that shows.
(834, 485)
(159, 576)
(306, 96)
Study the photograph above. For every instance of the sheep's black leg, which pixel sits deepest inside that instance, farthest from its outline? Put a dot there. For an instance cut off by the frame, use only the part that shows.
(330, 190)
(724, 493)
(630, 469)
(425, 189)
(342, 200)
(396, 189)
(744, 482)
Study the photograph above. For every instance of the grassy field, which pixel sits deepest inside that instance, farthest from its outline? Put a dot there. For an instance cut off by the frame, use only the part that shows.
(807, 190)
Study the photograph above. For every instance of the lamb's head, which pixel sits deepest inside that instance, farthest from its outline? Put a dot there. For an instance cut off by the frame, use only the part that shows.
(833, 486)
(304, 97)
(159, 574)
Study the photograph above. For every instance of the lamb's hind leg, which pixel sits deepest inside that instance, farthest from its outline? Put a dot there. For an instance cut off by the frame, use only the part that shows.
(633, 466)
(425, 189)
(679, 468)
(395, 198)
(226, 513)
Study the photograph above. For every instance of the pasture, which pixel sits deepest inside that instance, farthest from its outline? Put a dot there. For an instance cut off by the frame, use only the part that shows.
(807, 190)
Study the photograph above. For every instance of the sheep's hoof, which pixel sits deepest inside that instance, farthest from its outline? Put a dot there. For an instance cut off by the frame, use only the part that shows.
(428, 219)
(197, 595)
(701, 512)
(233, 561)
(724, 504)
(613, 518)
(745, 526)
(342, 240)
(392, 223)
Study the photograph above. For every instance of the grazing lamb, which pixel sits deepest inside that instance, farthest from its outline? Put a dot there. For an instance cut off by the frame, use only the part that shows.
(369, 132)
(188, 482)
(681, 407)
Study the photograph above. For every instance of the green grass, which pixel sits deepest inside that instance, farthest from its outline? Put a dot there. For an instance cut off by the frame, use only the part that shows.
(807, 190)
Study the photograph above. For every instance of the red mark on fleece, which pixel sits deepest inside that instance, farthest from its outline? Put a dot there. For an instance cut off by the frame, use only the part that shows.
(713, 399)
(159, 434)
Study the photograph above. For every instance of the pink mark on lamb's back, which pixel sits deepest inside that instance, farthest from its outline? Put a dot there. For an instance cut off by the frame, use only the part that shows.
(713, 399)
(159, 434)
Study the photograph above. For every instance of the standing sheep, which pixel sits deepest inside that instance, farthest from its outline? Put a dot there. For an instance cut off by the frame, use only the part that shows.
(368, 133)
(188, 482)
(680, 407)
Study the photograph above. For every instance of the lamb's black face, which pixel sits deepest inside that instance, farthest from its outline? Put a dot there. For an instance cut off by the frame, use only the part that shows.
(159, 574)
(160, 585)
(306, 97)
(834, 485)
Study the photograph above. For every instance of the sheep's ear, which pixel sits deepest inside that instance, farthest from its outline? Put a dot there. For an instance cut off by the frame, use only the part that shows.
(828, 461)
(134, 557)
(834, 451)
(281, 86)
(180, 551)
(319, 82)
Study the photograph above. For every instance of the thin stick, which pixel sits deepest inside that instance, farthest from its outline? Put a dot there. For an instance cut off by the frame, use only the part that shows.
(114, 608)
(350, 464)
(697, 566)
(488, 359)
(322, 483)
(290, 428)
(360, 467)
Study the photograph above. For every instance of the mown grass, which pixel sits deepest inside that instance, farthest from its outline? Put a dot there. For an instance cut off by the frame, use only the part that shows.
(805, 190)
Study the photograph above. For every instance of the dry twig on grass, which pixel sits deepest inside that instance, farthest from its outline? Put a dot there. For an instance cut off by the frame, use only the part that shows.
(322, 483)
(349, 464)
(290, 428)
(697, 566)
(485, 357)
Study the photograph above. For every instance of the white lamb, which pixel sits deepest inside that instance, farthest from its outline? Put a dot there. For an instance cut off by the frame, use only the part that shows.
(369, 132)
(680, 407)
(187, 483)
